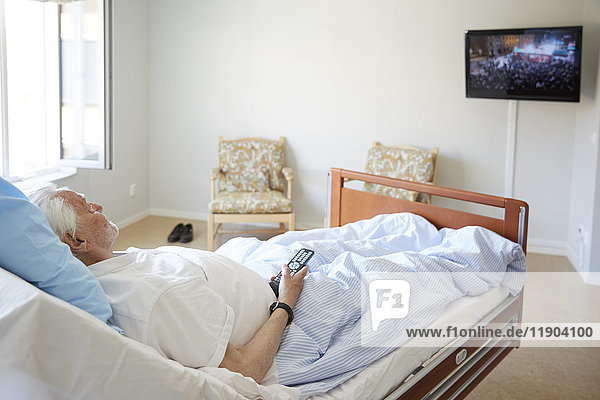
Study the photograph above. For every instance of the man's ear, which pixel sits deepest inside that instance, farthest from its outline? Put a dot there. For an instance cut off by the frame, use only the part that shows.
(77, 246)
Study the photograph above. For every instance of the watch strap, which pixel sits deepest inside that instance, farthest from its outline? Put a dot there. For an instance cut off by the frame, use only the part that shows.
(287, 308)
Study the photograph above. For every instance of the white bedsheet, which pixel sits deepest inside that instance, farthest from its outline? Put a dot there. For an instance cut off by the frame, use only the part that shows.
(52, 350)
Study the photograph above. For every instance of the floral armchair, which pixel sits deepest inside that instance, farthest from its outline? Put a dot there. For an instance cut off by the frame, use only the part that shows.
(402, 162)
(250, 186)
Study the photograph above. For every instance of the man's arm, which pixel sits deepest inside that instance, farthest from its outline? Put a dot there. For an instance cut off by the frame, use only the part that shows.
(255, 358)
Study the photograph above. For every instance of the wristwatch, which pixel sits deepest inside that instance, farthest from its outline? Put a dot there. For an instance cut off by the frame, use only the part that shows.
(287, 308)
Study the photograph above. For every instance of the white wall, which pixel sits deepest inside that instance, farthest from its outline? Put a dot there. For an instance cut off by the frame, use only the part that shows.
(130, 115)
(585, 209)
(594, 260)
(332, 77)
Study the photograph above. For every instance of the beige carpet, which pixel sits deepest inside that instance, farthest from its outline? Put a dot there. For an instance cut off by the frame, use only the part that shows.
(550, 372)
(526, 373)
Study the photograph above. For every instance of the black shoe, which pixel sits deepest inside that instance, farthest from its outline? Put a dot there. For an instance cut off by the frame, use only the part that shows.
(176, 233)
(187, 235)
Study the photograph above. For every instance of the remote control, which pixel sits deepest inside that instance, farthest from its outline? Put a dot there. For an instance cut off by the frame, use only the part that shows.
(295, 264)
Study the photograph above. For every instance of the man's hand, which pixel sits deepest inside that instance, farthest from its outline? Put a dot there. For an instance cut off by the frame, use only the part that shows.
(291, 286)
(255, 358)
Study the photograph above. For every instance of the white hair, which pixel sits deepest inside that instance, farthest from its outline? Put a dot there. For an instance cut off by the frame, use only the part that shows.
(60, 215)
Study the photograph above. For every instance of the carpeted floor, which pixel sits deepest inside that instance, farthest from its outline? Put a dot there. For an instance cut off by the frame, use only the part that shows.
(527, 372)
(550, 372)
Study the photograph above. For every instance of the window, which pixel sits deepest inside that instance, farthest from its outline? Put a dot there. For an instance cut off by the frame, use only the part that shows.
(55, 79)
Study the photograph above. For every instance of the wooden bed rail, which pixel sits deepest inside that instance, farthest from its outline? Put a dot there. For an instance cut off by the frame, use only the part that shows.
(348, 205)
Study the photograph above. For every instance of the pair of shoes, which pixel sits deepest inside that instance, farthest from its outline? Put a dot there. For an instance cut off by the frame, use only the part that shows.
(181, 233)
(188, 234)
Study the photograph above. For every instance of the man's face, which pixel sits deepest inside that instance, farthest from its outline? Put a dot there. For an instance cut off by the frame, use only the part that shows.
(92, 225)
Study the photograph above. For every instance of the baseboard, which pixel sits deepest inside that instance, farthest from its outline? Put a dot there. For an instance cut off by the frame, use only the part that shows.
(133, 219)
(163, 212)
(203, 216)
(549, 247)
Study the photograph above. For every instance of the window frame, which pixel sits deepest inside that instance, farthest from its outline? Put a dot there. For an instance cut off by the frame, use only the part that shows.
(64, 167)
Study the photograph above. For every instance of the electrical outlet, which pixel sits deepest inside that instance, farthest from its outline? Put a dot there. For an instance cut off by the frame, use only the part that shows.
(132, 190)
(580, 233)
(583, 236)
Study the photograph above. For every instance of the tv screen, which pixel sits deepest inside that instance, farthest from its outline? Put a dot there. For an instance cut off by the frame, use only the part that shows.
(526, 64)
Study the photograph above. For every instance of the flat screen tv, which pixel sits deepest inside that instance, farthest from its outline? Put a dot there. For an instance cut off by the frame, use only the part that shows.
(524, 64)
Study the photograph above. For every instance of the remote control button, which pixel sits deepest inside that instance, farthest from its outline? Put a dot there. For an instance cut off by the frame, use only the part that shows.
(294, 265)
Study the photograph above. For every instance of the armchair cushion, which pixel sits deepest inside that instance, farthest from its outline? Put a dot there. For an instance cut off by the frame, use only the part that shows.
(408, 163)
(251, 165)
(271, 202)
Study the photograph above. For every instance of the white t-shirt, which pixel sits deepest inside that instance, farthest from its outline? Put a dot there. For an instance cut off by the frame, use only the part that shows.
(186, 303)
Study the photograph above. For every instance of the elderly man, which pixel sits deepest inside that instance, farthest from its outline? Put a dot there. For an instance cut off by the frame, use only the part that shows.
(197, 307)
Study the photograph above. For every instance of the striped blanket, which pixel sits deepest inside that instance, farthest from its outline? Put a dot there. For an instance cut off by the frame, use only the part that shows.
(326, 343)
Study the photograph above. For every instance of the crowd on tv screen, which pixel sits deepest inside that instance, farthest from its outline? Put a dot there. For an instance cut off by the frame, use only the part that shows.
(515, 74)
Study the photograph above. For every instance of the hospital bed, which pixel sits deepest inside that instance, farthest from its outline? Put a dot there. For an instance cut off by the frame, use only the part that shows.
(52, 350)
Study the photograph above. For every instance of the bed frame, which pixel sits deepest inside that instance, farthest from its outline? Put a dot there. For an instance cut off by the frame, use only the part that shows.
(454, 370)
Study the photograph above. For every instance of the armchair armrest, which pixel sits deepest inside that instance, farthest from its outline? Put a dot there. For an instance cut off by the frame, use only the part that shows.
(288, 174)
(214, 174)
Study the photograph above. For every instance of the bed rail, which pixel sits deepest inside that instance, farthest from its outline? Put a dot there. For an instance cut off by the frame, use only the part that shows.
(347, 205)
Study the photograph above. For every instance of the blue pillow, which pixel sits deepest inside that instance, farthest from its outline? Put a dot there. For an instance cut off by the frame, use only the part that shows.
(10, 190)
(30, 249)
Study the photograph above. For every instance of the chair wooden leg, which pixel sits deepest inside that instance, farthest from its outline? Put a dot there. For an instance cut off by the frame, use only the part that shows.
(210, 232)
(292, 223)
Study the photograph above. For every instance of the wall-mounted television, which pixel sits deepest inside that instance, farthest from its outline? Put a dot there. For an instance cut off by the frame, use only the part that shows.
(524, 64)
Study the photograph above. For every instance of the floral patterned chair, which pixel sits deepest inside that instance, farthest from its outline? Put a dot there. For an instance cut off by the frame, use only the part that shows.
(402, 162)
(250, 186)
